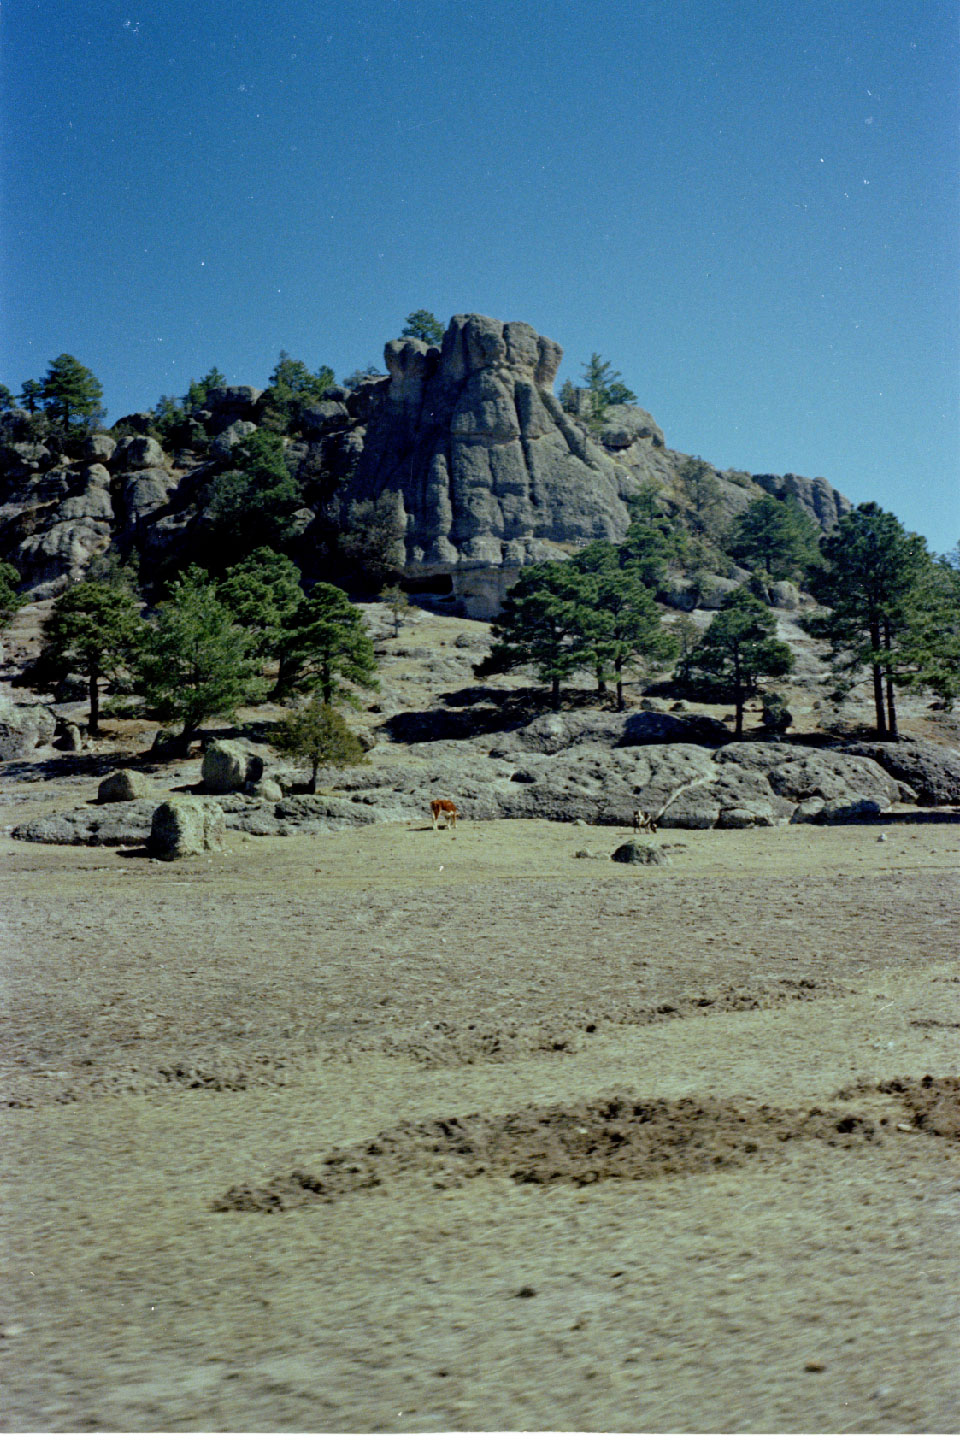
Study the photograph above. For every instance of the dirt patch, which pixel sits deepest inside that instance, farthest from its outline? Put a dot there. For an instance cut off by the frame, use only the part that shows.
(617, 1138)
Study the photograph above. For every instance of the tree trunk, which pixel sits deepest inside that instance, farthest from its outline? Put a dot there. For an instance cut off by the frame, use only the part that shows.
(94, 726)
(618, 670)
(738, 698)
(892, 729)
(312, 787)
(555, 692)
(878, 683)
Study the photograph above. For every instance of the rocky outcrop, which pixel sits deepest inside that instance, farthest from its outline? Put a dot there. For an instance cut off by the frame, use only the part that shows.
(464, 443)
(485, 469)
(931, 772)
(817, 497)
(115, 824)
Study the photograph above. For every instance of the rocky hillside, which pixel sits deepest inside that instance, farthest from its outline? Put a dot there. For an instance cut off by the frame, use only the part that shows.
(465, 446)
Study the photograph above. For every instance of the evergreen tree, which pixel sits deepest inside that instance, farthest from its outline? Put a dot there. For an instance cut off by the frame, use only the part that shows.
(620, 620)
(324, 644)
(870, 578)
(704, 498)
(196, 396)
(292, 387)
(196, 662)
(542, 624)
(95, 628)
(738, 650)
(399, 602)
(930, 645)
(422, 325)
(651, 542)
(254, 504)
(71, 391)
(10, 601)
(262, 593)
(371, 541)
(31, 395)
(6, 399)
(606, 388)
(775, 536)
(319, 735)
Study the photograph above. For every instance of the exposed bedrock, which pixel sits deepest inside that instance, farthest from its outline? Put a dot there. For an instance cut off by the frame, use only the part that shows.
(489, 472)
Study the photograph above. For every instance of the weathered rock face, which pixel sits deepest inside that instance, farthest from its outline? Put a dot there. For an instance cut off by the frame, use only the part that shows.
(931, 771)
(818, 497)
(487, 471)
(464, 442)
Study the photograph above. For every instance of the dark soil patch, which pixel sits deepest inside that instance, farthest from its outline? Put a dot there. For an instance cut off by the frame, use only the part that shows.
(619, 1138)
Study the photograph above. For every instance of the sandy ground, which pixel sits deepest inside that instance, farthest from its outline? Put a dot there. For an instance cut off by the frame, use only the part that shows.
(673, 1187)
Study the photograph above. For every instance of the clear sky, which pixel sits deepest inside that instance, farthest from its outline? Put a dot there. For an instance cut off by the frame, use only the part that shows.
(750, 207)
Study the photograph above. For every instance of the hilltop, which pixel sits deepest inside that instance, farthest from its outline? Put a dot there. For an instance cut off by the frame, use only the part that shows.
(459, 466)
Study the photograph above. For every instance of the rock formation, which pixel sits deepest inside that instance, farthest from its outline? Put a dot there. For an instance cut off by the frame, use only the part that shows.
(464, 443)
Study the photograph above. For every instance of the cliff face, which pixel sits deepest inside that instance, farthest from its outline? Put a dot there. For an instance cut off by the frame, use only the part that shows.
(466, 443)
(488, 471)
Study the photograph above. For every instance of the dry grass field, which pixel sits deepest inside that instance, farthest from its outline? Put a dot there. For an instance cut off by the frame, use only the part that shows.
(395, 1130)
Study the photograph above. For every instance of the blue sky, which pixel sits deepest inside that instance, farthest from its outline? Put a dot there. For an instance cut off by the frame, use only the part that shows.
(750, 207)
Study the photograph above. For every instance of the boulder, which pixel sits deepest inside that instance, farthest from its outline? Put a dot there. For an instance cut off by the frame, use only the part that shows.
(138, 452)
(232, 435)
(836, 812)
(144, 492)
(637, 852)
(229, 765)
(930, 771)
(124, 785)
(23, 728)
(180, 828)
(99, 449)
(265, 789)
(797, 773)
(69, 737)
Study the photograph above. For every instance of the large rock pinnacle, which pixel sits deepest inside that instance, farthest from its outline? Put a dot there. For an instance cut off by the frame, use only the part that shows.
(488, 471)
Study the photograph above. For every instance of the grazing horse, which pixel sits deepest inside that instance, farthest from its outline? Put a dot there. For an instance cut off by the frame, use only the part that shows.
(446, 810)
(643, 821)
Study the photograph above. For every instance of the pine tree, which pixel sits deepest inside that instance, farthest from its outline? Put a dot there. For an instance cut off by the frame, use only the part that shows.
(95, 628)
(31, 395)
(319, 735)
(542, 624)
(605, 386)
(738, 650)
(324, 644)
(620, 619)
(870, 576)
(422, 325)
(262, 593)
(10, 601)
(775, 536)
(930, 645)
(71, 391)
(196, 661)
(253, 504)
